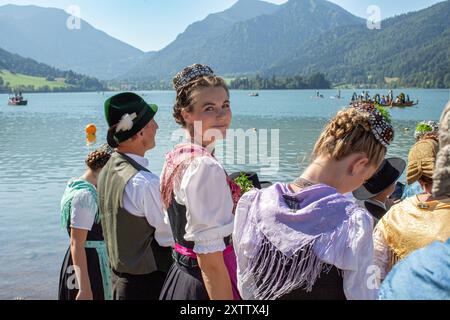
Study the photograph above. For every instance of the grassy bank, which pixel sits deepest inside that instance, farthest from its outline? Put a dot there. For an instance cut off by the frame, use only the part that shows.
(15, 81)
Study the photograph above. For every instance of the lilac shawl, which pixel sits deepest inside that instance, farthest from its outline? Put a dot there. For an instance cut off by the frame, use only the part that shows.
(279, 237)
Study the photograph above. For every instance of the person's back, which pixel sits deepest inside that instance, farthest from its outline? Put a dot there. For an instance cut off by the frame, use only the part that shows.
(296, 241)
(417, 221)
(425, 274)
(137, 239)
(414, 224)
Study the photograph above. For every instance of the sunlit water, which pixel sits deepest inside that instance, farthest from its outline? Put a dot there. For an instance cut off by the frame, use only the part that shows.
(43, 144)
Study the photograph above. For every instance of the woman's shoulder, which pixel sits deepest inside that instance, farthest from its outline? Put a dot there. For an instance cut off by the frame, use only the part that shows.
(407, 205)
(85, 196)
(205, 162)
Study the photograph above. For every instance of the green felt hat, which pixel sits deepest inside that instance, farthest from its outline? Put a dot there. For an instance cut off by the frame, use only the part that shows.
(129, 103)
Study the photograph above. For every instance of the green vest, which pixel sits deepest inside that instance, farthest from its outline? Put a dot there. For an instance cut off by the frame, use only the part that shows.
(130, 241)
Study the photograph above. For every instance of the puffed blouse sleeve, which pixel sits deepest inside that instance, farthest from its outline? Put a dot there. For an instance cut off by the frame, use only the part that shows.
(205, 193)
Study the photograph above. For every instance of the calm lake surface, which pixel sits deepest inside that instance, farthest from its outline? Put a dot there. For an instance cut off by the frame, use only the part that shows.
(43, 145)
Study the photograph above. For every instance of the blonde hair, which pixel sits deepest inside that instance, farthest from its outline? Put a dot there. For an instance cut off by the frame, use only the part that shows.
(186, 95)
(349, 132)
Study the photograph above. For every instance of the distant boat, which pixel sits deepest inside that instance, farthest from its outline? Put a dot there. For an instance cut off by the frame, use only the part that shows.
(390, 102)
(254, 94)
(401, 104)
(392, 105)
(338, 97)
(318, 96)
(17, 100)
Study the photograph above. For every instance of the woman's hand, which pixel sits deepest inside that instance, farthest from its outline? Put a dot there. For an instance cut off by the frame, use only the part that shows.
(84, 295)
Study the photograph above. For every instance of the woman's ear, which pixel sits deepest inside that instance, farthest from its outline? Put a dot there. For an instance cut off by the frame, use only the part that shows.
(186, 116)
(359, 164)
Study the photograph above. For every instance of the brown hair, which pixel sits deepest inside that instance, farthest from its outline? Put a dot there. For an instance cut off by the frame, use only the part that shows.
(96, 160)
(186, 95)
(350, 131)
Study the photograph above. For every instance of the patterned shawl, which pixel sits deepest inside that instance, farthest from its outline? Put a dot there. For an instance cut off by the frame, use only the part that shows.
(177, 162)
(412, 225)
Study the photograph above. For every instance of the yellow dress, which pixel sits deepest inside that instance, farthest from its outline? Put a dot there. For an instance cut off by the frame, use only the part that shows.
(409, 226)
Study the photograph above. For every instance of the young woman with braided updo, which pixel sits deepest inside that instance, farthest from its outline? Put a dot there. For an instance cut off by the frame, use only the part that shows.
(306, 240)
(199, 197)
(85, 271)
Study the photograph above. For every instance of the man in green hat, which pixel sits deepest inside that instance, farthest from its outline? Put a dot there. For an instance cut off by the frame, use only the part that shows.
(138, 240)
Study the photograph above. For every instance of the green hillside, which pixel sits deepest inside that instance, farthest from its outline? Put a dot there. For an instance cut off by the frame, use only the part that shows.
(17, 82)
(24, 74)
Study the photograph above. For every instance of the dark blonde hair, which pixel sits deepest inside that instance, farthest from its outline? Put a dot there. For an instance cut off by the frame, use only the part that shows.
(96, 160)
(186, 95)
(350, 131)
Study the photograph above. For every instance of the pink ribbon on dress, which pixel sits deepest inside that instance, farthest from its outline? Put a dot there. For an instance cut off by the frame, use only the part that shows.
(229, 258)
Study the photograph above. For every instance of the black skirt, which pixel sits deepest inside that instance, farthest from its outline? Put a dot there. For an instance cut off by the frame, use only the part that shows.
(184, 283)
(67, 278)
(329, 286)
(137, 287)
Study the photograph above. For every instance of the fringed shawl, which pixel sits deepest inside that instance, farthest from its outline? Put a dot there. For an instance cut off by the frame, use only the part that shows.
(280, 237)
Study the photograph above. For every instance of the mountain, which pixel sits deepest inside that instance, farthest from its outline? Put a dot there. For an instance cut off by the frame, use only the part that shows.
(42, 34)
(299, 38)
(41, 77)
(413, 47)
(187, 46)
(255, 45)
(304, 37)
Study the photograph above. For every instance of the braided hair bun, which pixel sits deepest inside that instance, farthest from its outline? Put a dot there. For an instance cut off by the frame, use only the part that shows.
(97, 159)
(350, 131)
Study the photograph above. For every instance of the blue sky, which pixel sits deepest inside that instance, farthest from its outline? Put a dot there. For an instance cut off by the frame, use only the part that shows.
(153, 24)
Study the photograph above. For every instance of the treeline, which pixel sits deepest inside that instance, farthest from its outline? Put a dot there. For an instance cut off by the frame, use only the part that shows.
(82, 82)
(2, 85)
(314, 81)
(141, 86)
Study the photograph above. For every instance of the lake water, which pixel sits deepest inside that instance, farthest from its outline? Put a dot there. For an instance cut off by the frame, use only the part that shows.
(43, 145)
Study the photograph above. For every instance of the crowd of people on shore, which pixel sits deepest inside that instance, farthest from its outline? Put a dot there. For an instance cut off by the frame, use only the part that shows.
(345, 229)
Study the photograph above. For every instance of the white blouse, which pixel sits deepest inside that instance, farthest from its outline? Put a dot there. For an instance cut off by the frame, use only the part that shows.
(205, 193)
(381, 253)
(83, 210)
(142, 198)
